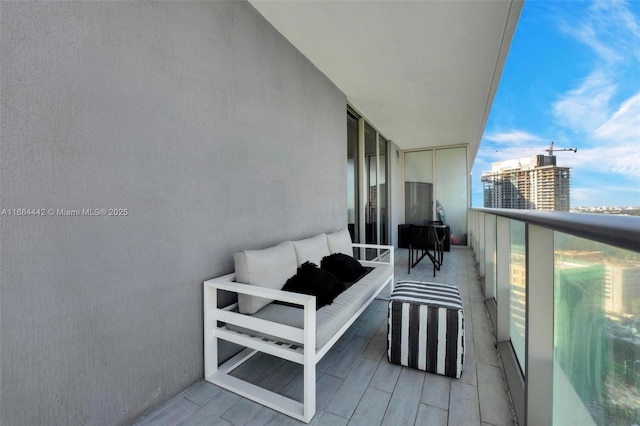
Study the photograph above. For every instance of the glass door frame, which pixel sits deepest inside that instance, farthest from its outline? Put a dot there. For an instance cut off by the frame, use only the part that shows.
(362, 186)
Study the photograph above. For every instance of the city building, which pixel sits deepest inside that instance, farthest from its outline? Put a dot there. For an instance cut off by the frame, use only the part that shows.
(534, 183)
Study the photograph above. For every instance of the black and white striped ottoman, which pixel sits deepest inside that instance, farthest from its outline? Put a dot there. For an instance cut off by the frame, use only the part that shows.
(426, 327)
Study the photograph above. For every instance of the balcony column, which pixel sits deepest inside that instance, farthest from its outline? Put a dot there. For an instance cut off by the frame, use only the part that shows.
(481, 242)
(474, 234)
(489, 256)
(503, 247)
(472, 230)
(539, 326)
(476, 248)
(362, 198)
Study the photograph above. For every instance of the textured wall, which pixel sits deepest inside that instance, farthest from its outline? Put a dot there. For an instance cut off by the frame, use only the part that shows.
(199, 119)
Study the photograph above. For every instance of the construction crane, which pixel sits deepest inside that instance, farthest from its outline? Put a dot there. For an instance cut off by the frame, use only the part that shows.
(550, 149)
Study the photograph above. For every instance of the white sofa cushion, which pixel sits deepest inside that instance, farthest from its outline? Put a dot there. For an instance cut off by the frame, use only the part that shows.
(270, 267)
(311, 249)
(329, 318)
(340, 242)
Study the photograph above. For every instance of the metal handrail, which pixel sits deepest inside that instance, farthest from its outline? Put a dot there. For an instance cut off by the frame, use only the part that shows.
(615, 230)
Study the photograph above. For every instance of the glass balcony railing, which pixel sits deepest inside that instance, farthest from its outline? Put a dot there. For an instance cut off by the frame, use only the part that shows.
(596, 332)
(565, 291)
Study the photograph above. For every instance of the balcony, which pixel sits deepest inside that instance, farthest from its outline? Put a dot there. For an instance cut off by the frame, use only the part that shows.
(212, 127)
(560, 293)
(205, 128)
(356, 383)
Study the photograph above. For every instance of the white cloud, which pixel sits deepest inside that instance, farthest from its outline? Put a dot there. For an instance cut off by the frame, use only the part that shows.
(506, 145)
(621, 159)
(605, 158)
(516, 137)
(606, 195)
(586, 108)
(509, 144)
(610, 29)
(615, 145)
(624, 124)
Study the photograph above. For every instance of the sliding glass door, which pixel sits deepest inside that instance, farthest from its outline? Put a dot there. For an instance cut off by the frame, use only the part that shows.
(436, 188)
(452, 190)
(371, 179)
(383, 211)
(352, 177)
(367, 182)
(418, 187)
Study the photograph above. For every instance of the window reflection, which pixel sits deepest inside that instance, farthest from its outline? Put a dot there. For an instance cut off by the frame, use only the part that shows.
(418, 187)
(450, 191)
(370, 174)
(518, 290)
(352, 173)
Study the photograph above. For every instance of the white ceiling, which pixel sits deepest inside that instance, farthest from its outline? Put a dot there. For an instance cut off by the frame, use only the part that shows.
(423, 72)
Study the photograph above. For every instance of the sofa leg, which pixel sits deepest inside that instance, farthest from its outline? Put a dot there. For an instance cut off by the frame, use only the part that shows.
(309, 391)
(210, 298)
(309, 360)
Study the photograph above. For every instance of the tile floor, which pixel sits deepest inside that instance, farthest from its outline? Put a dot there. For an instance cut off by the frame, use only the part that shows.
(356, 384)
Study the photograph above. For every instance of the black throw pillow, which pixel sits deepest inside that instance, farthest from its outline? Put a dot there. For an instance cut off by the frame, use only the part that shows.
(344, 267)
(312, 280)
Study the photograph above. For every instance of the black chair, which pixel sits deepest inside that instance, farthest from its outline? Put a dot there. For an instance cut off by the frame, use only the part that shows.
(441, 236)
(423, 239)
(446, 243)
(403, 235)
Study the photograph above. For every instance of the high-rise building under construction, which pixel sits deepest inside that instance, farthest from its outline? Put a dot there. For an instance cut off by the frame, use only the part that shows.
(534, 183)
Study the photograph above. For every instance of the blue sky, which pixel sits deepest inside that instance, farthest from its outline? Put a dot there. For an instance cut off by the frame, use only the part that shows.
(572, 76)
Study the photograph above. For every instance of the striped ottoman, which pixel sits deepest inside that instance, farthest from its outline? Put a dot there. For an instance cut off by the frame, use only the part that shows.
(426, 327)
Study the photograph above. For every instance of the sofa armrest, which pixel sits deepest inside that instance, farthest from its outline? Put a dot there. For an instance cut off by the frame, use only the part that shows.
(305, 336)
(380, 258)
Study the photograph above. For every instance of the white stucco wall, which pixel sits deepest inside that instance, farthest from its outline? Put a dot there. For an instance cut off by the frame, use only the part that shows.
(206, 125)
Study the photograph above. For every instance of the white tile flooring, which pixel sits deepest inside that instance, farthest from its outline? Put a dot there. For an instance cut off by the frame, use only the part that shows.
(356, 384)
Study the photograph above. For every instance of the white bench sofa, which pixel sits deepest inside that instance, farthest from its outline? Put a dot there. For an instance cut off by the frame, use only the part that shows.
(302, 335)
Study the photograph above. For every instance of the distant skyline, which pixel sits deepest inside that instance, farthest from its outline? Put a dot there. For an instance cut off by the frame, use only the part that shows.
(573, 77)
